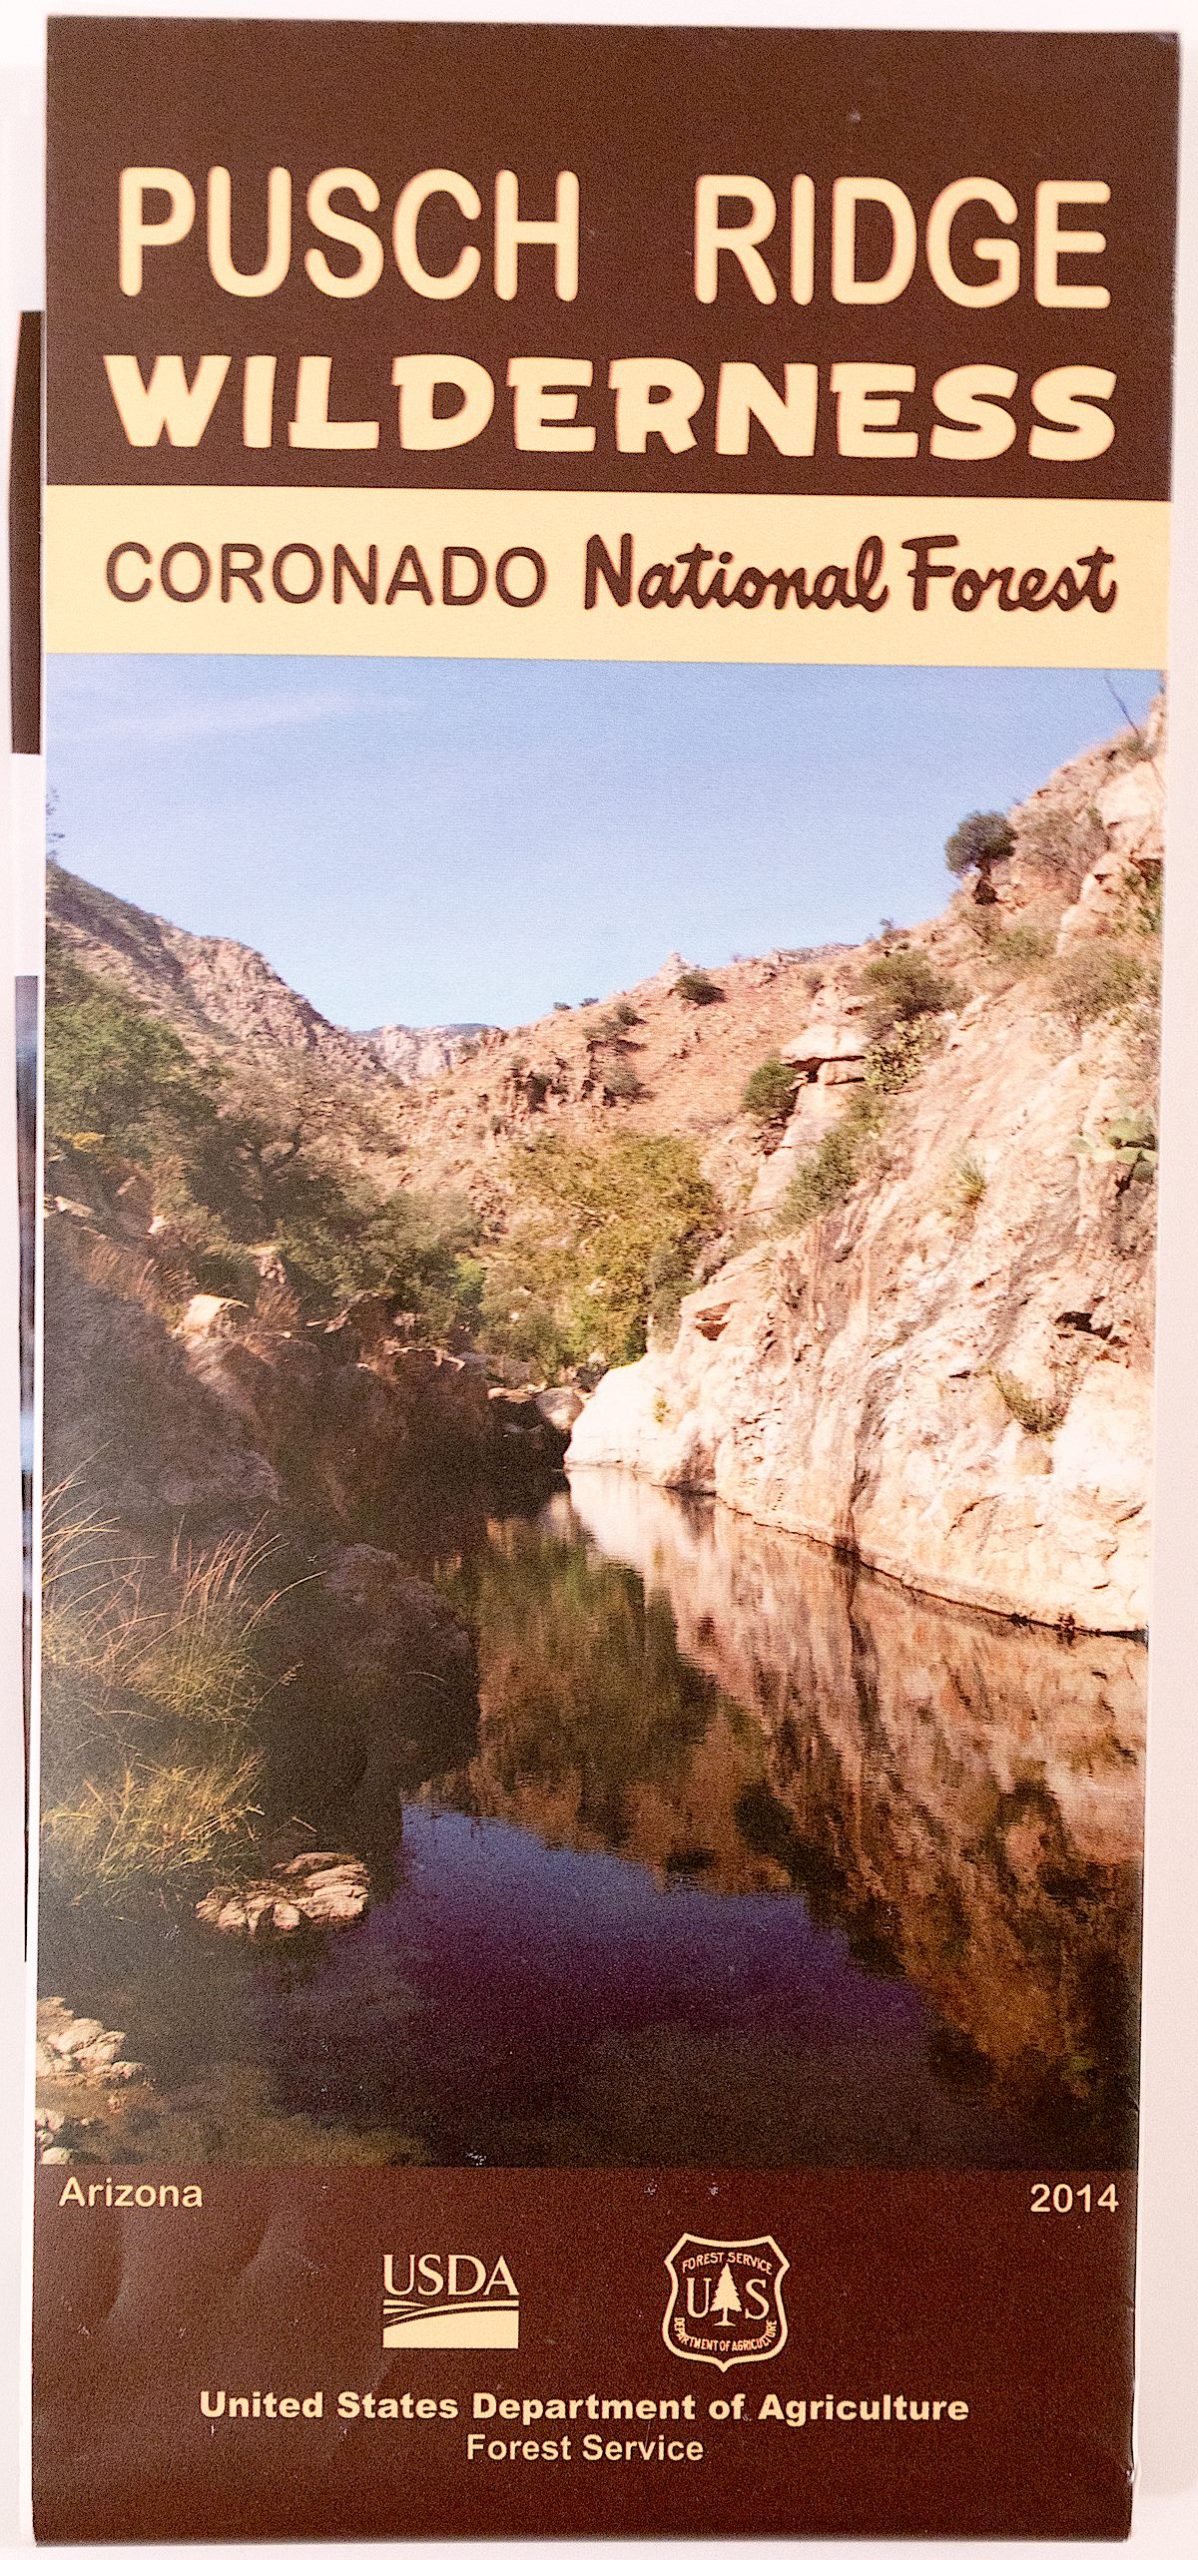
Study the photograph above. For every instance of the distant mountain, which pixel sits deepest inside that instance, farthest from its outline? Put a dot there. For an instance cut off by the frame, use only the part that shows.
(213, 991)
(409, 1055)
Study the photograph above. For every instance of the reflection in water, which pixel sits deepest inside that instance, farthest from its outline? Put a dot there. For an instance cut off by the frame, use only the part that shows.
(960, 1793)
(754, 1861)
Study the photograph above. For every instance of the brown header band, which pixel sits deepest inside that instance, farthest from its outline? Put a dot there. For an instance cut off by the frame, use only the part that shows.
(637, 115)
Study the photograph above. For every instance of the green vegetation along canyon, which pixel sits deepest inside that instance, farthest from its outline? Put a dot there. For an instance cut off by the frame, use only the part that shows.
(593, 1573)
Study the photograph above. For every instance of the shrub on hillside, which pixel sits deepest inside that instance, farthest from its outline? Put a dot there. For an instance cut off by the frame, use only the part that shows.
(1146, 900)
(621, 1083)
(1092, 979)
(1018, 949)
(896, 1057)
(229, 1168)
(770, 1091)
(902, 985)
(696, 987)
(612, 1028)
(825, 1180)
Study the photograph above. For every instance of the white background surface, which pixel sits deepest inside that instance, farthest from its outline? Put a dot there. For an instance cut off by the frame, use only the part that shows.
(1167, 2500)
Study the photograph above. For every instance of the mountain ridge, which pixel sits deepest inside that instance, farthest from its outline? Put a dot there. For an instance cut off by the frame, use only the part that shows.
(212, 988)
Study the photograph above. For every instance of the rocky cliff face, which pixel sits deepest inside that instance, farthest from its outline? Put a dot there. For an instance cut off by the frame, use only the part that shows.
(410, 1055)
(213, 991)
(948, 1372)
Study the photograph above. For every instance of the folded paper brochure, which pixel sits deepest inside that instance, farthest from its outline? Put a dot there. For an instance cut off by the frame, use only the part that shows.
(604, 607)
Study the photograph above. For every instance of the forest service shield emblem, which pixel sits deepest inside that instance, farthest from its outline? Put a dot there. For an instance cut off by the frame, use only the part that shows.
(725, 2304)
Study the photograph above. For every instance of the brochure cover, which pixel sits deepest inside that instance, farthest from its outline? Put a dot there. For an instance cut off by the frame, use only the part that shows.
(605, 600)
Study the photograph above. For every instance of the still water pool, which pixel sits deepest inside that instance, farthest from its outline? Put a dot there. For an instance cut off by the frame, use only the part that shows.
(752, 1861)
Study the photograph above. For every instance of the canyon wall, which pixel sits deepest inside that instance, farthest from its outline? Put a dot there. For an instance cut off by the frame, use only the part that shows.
(947, 1373)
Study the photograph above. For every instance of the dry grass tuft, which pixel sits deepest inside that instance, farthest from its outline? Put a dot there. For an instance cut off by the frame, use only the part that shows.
(152, 1677)
(966, 1185)
(179, 1639)
(1095, 979)
(1036, 1414)
(151, 1822)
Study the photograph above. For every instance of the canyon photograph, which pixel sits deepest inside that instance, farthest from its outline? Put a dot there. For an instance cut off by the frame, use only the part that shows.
(598, 1287)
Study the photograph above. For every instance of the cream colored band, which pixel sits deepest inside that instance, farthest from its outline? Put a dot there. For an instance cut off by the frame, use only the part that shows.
(555, 574)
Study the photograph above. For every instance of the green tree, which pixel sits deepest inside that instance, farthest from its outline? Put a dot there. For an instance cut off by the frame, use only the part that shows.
(609, 1232)
(114, 1072)
(982, 839)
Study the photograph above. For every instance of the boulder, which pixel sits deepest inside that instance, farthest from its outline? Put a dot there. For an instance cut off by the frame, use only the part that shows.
(79, 2049)
(349, 1415)
(560, 1408)
(524, 1437)
(73, 2038)
(320, 1889)
(442, 1396)
(205, 1315)
(385, 1624)
(135, 1398)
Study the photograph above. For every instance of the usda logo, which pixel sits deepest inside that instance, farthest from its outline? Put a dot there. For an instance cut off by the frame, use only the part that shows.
(454, 2301)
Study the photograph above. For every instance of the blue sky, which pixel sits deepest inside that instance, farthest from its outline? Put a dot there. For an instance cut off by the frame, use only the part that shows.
(421, 840)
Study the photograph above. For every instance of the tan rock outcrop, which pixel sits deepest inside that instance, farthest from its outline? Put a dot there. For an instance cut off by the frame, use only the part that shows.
(318, 1890)
(79, 2049)
(410, 1055)
(1130, 808)
(128, 1414)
